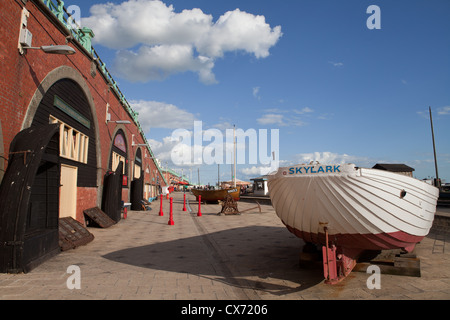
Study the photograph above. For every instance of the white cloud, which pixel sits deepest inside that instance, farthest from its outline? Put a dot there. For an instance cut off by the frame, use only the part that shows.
(165, 42)
(283, 118)
(238, 30)
(271, 118)
(325, 116)
(223, 125)
(304, 110)
(153, 114)
(256, 93)
(255, 171)
(333, 158)
(336, 64)
(159, 62)
(423, 114)
(176, 153)
(150, 22)
(322, 157)
(275, 110)
(444, 110)
(162, 149)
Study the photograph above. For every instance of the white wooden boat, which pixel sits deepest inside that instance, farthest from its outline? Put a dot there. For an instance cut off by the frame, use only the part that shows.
(349, 209)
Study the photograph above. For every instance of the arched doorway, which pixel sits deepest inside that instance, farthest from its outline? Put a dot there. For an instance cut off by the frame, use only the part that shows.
(116, 177)
(119, 152)
(66, 105)
(58, 131)
(81, 90)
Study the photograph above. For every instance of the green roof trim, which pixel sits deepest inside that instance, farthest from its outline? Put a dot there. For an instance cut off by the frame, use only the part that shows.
(84, 37)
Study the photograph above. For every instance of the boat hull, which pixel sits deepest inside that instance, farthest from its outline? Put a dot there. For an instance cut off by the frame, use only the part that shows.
(366, 209)
(217, 195)
(381, 241)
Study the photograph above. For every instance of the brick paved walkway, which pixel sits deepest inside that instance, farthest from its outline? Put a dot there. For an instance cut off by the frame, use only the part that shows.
(250, 256)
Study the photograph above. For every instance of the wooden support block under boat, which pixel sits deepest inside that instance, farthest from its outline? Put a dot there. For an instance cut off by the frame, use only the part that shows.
(392, 262)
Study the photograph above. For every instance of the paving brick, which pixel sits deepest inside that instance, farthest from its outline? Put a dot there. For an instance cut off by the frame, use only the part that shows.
(250, 256)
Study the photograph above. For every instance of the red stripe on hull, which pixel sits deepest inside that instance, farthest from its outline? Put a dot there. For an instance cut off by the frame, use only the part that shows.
(381, 241)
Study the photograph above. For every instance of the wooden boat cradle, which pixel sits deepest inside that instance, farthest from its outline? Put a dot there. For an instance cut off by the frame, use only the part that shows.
(229, 206)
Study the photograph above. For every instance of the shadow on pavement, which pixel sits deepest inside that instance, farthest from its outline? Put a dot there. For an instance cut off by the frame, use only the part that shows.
(262, 258)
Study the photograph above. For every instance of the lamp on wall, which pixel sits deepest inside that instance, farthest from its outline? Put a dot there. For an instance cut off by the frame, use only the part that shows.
(137, 144)
(58, 49)
(120, 121)
(108, 117)
(26, 37)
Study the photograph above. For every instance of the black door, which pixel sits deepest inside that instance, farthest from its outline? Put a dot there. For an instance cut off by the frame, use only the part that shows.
(112, 193)
(41, 231)
(29, 200)
(137, 194)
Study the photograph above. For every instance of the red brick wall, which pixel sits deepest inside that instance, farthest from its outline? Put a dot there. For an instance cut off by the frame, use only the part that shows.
(87, 198)
(21, 76)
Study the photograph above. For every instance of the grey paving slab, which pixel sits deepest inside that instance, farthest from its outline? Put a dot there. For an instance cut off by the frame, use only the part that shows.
(250, 256)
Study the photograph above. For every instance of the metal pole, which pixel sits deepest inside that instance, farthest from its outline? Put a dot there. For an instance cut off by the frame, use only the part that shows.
(171, 222)
(434, 150)
(199, 214)
(161, 213)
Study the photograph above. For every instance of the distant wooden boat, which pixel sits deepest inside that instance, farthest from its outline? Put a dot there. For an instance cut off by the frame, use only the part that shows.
(348, 210)
(220, 194)
(216, 195)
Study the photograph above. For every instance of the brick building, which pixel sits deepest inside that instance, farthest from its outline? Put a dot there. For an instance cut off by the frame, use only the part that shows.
(66, 130)
(175, 180)
(395, 167)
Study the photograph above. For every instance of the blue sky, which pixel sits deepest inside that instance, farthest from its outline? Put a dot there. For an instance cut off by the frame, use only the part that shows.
(336, 90)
